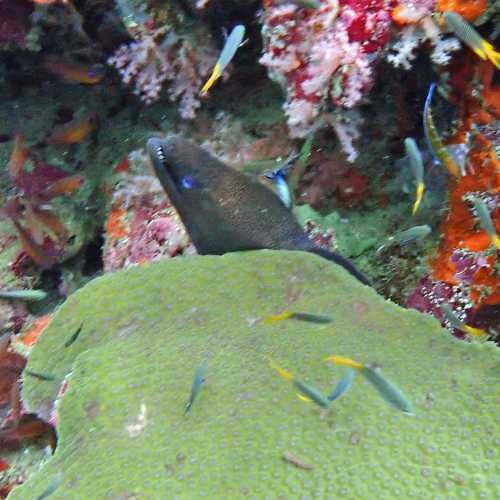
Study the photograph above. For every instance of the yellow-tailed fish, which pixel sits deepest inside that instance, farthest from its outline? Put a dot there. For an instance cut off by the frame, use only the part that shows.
(344, 384)
(455, 322)
(472, 38)
(284, 374)
(417, 168)
(230, 47)
(343, 361)
(387, 390)
(306, 392)
(484, 217)
(307, 317)
(198, 381)
(434, 142)
(309, 393)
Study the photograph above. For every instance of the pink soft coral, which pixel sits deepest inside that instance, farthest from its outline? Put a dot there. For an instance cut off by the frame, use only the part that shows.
(323, 57)
(149, 65)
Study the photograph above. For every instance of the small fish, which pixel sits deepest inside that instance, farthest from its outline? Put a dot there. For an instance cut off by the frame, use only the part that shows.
(17, 158)
(455, 322)
(26, 295)
(309, 393)
(417, 167)
(306, 392)
(471, 38)
(50, 488)
(279, 177)
(484, 217)
(309, 318)
(230, 47)
(415, 233)
(387, 390)
(198, 381)
(343, 361)
(36, 252)
(306, 4)
(292, 459)
(344, 384)
(49, 2)
(75, 73)
(282, 188)
(73, 132)
(64, 186)
(49, 220)
(74, 336)
(40, 376)
(434, 142)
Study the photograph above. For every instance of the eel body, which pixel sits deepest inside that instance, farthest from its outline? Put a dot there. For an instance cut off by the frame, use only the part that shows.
(224, 210)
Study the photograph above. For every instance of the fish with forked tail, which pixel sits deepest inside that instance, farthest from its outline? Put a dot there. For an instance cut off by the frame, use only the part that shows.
(224, 210)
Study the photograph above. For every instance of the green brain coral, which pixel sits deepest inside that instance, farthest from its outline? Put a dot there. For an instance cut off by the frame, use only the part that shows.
(122, 429)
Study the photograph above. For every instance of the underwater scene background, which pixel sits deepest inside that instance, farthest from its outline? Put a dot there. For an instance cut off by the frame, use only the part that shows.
(249, 249)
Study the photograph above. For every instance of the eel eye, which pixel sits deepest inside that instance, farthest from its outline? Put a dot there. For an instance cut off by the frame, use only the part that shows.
(187, 182)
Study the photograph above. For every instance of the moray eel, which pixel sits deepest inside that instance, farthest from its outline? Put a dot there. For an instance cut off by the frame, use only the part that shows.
(224, 210)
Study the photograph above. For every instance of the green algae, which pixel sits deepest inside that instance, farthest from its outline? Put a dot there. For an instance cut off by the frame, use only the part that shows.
(123, 433)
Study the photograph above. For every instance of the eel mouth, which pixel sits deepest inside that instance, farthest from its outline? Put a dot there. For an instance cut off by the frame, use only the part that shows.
(156, 149)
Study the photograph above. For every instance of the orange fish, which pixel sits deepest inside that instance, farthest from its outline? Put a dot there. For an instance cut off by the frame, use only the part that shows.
(17, 157)
(50, 221)
(75, 73)
(36, 252)
(74, 131)
(49, 2)
(64, 186)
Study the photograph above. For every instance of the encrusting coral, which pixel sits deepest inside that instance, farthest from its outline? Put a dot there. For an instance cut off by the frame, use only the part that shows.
(145, 330)
(465, 271)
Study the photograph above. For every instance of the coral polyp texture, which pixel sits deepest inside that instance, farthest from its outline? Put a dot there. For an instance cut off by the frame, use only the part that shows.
(121, 424)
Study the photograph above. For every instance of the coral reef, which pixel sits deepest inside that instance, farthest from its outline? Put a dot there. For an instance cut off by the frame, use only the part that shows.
(142, 225)
(42, 234)
(465, 271)
(323, 57)
(19, 430)
(146, 329)
(330, 175)
(148, 64)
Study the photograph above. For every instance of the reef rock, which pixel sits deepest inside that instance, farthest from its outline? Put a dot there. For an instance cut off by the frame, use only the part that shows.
(121, 424)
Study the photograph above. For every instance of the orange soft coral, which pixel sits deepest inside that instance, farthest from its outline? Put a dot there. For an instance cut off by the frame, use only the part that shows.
(30, 337)
(460, 230)
(468, 9)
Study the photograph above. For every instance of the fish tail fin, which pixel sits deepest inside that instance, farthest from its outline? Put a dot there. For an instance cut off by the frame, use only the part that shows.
(341, 261)
(213, 77)
(284, 374)
(492, 54)
(475, 332)
(418, 197)
(496, 241)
